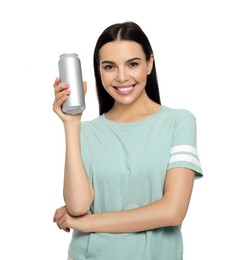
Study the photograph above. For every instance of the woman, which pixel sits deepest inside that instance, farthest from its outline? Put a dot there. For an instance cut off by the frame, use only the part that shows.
(129, 173)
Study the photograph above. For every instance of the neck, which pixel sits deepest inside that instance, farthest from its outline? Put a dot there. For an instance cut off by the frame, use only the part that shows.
(134, 111)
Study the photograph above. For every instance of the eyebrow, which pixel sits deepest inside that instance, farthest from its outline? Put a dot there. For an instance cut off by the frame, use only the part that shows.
(112, 62)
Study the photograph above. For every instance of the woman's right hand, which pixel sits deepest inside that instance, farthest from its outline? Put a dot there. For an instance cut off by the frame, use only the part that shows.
(62, 91)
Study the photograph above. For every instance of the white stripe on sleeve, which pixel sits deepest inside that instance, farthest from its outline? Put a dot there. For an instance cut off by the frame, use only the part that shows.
(185, 158)
(184, 148)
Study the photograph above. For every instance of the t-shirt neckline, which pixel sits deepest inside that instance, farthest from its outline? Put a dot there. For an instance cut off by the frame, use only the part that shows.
(136, 123)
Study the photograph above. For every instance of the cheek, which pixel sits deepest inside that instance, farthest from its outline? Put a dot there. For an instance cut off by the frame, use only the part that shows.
(140, 75)
(106, 79)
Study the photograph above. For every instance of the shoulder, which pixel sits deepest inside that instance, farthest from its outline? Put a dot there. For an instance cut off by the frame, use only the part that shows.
(90, 125)
(91, 122)
(178, 115)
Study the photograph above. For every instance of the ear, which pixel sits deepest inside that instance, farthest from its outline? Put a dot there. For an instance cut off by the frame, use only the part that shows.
(150, 64)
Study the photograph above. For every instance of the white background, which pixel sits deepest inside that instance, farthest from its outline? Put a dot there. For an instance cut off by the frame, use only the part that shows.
(203, 55)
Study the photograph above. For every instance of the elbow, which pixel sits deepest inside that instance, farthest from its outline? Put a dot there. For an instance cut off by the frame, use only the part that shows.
(77, 211)
(175, 218)
(79, 207)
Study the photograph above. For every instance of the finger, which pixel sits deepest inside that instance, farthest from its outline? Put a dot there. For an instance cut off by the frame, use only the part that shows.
(63, 223)
(61, 87)
(85, 87)
(59, 212)
(60, 220)
(56, 216)
(59, 209)
(60, 98)
(57, 105)
(66, 229)
(59, 95)
(56, 82)
(65, 226)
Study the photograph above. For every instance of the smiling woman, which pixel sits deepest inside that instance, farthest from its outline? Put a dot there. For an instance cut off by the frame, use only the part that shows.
(124, 70)
(129, 173)
(132, 34)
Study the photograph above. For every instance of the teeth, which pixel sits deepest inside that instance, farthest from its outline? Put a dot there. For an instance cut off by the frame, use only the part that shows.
(124, 89)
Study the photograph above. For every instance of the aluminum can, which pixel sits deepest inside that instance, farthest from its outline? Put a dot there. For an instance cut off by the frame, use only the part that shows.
(70, 72)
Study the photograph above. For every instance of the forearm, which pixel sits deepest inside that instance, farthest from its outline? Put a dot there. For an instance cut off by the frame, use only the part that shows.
(135, 220)
(78, 192)
(151, 216)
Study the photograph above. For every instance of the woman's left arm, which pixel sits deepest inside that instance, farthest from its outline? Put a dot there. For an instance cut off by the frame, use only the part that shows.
(170, 210)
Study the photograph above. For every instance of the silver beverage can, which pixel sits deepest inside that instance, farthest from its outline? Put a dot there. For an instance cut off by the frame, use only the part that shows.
(70, 72)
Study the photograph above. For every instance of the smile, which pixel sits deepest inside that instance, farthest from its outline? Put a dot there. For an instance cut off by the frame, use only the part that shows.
(124, 90)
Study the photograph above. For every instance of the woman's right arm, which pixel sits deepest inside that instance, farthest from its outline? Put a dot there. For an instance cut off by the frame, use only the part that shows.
(78, 191)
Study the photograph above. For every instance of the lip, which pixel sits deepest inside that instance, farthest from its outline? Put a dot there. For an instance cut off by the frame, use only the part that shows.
(124, 90)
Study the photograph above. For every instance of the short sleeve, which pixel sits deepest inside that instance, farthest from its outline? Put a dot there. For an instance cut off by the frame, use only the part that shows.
(183, 147)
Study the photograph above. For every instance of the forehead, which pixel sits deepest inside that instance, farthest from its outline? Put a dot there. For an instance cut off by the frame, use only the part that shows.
(121, 49)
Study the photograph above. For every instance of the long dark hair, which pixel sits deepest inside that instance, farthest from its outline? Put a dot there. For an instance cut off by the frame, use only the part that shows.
(124, 31)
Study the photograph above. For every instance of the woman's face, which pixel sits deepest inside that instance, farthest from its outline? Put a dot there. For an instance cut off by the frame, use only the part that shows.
(124, 69)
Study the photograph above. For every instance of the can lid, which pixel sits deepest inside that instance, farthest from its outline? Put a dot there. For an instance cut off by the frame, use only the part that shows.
(68, 54)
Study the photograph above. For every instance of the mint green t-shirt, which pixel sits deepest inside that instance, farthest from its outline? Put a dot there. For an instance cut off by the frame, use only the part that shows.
(127, 165)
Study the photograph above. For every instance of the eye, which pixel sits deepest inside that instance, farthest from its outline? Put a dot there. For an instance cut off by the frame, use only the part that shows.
(108, 67)
(133, 64)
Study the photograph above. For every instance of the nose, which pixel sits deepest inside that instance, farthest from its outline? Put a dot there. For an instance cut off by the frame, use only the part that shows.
(122, 75)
